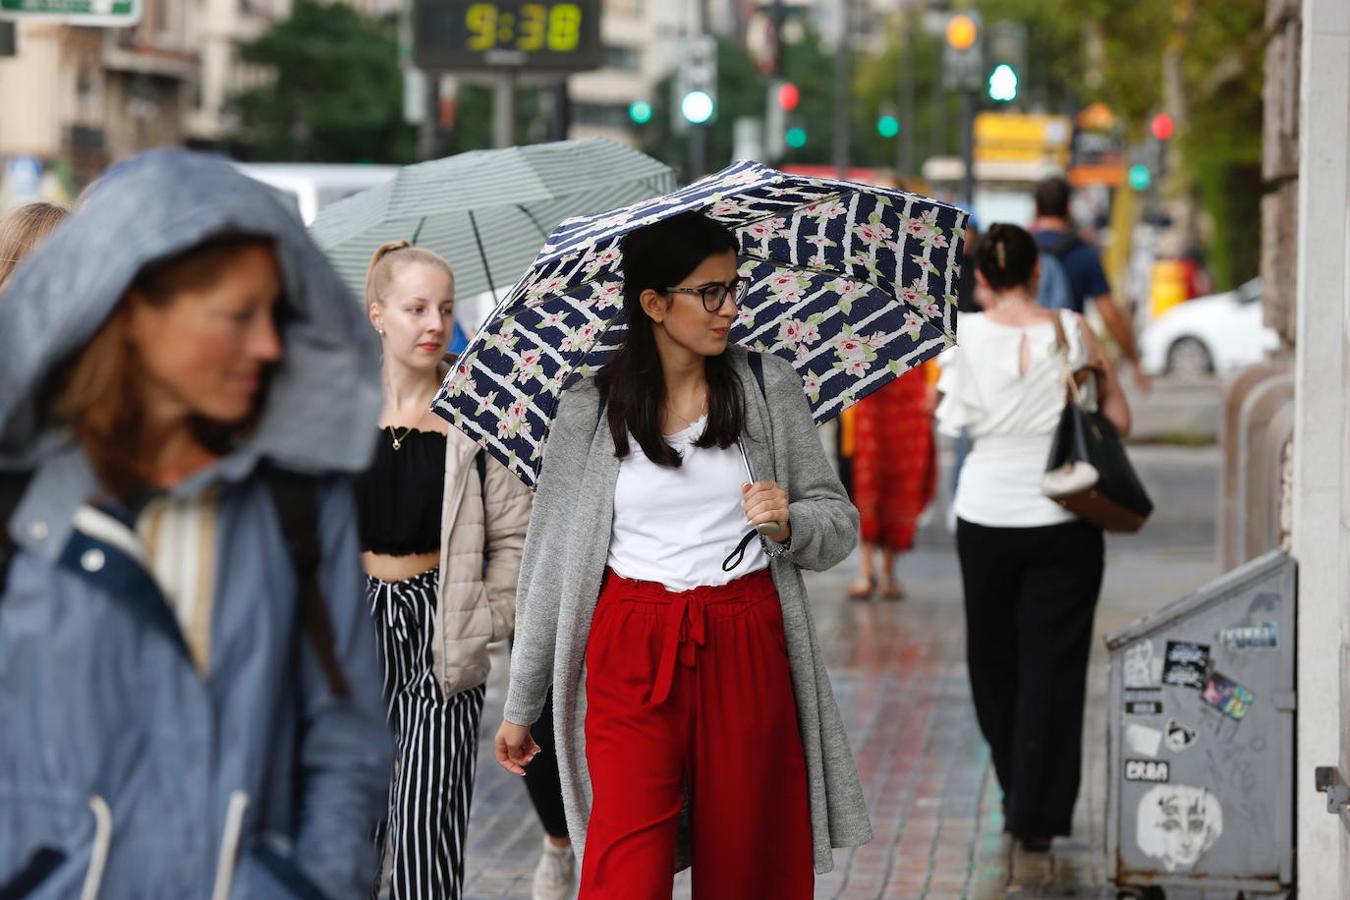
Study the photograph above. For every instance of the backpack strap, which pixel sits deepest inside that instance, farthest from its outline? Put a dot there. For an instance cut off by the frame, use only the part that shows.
(12, 488)
(1067, 243)
(297, 502)
(756, 361)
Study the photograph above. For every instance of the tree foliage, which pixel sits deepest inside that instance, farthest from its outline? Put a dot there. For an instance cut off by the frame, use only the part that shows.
(1120, 54)
(337, 94)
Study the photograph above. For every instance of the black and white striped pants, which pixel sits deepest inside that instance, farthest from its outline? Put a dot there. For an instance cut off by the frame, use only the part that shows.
(436, 741)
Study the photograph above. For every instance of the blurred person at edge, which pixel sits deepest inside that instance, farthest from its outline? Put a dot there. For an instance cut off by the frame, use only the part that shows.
(22, 229)
(164, 356)
(442, 527)
(894, 464)
(1031, 572)
(1055, 237)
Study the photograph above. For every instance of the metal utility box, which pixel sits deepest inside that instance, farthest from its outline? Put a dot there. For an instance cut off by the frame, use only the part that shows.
(1201, 739)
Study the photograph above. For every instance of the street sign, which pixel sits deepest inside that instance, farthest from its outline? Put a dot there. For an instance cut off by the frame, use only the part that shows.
(114, 13)
(1010, 137)
(455, 35)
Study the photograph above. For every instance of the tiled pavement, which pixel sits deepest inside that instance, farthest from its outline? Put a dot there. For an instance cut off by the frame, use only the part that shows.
(899, 673)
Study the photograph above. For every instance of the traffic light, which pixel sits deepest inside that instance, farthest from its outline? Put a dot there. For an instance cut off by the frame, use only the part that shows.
(796, 137)
(696, 83)
(1140, 177)
(962, 51)
(888, 126)
(1003, 83)
(640, 111)
(1162, 126)
(962, 32)
(1007, 57)
(788, 96)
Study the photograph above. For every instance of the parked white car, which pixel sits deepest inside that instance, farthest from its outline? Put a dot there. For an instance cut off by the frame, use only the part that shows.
(1215, 334)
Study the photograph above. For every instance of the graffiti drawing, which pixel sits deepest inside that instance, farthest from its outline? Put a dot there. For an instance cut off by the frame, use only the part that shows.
(1177, 824)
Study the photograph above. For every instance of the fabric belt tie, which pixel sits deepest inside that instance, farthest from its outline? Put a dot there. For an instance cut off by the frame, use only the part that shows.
(686, 630)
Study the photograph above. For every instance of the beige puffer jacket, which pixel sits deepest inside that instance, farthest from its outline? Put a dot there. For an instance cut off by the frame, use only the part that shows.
(477, 603)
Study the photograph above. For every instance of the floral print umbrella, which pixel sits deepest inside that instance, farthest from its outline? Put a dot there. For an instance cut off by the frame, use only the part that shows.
(853, 284)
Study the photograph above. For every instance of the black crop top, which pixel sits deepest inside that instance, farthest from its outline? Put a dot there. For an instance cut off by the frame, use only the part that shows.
(398, 499)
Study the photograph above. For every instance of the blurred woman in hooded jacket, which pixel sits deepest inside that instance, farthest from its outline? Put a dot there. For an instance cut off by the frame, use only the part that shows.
(189, 683)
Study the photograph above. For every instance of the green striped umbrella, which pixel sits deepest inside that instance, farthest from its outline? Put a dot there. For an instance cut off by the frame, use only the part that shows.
(488, 211)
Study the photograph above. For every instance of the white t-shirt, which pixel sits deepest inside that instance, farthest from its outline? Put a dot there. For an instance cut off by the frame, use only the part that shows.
(676, 526)
(1010, 415)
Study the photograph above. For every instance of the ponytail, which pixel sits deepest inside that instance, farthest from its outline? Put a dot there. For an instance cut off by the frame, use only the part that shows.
(1007, 256)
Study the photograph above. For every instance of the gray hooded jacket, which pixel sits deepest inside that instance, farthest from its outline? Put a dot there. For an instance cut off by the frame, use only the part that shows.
(120, 765)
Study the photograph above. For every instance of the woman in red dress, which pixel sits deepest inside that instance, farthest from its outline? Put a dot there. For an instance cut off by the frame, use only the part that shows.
(894, 476)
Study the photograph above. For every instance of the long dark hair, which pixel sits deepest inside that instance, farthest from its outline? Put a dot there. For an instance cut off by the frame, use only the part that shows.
(656, 257)
(1007, 256)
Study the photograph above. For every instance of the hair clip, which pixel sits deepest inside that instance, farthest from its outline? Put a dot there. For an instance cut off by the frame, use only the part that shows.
(1002, 254)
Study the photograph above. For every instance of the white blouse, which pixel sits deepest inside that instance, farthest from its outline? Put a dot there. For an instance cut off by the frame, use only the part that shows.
(676, 526)
(1011, 416)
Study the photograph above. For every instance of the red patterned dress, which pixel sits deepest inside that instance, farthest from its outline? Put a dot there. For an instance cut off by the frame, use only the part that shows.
(894, 460)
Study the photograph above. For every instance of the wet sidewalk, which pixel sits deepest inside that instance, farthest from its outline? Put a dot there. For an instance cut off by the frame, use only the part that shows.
(899, 673)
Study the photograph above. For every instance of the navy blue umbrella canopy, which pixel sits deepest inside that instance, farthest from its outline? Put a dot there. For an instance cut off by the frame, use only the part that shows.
(853, 284)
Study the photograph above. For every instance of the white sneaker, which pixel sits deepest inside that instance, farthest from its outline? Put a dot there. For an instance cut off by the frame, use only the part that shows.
(555, 873)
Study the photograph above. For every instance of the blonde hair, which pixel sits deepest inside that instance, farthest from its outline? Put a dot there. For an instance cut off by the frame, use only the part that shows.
(22, 229)
(389, 259)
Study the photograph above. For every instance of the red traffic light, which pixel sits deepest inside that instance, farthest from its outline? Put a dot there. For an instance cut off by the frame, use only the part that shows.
(788, 96)
(1162, 126)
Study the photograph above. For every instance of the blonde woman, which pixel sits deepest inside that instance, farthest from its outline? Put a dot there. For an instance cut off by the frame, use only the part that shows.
(433, 510)
(22, 229)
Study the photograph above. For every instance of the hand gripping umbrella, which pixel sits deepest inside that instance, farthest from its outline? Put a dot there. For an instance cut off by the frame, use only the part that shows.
(851, 283)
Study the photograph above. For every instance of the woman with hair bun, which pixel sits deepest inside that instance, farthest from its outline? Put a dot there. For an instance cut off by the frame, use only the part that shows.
(442, 527)
(1031, 571)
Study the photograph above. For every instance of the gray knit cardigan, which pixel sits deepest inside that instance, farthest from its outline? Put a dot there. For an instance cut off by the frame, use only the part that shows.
(566, 549)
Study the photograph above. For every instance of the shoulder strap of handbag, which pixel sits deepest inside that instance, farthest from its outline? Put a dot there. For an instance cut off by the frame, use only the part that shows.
(297, 503)
(1071, 394)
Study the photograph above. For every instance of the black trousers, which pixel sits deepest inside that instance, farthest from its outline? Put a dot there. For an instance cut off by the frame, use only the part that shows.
(542, 780)
(1030, 597)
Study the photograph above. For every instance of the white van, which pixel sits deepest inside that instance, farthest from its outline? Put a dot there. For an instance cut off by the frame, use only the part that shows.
(315, 185)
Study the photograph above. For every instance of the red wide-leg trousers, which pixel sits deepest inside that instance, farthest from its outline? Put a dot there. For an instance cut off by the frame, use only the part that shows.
(690, 692)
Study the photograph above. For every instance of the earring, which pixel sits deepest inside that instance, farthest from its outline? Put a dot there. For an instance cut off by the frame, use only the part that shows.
(380, 332)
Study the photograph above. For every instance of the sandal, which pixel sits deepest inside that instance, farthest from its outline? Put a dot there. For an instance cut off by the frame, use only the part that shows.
(862, 588)
(893, 591)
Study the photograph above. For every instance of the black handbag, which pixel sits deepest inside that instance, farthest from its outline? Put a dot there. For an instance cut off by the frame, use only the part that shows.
(1088, 472)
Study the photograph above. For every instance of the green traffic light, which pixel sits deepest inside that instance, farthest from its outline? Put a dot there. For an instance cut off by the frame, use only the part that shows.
(1003, 83)
(640, 111)
(796, 138)
(888, 126)
(1140, 177)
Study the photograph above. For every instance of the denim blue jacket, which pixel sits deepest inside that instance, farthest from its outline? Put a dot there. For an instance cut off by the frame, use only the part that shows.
(120, 765)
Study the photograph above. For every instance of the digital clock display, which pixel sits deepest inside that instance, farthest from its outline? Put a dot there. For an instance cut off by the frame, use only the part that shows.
(450, 35)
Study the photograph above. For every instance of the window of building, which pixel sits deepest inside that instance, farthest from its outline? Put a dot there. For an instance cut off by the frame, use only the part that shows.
(629, 59)
(607, 115)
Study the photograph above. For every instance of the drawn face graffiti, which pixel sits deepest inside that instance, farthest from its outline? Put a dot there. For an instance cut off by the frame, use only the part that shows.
(1177, 824)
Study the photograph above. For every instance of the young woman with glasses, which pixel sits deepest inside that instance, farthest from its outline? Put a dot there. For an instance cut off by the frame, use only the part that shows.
(710, 732)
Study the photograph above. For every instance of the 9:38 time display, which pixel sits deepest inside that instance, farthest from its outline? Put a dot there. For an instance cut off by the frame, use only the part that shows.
(530, 26)
(449, 35)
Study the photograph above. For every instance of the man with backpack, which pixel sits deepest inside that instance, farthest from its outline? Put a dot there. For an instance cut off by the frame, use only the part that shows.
(1079, 260)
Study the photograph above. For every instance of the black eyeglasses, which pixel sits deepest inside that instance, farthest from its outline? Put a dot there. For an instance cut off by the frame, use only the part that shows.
(714, 296)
